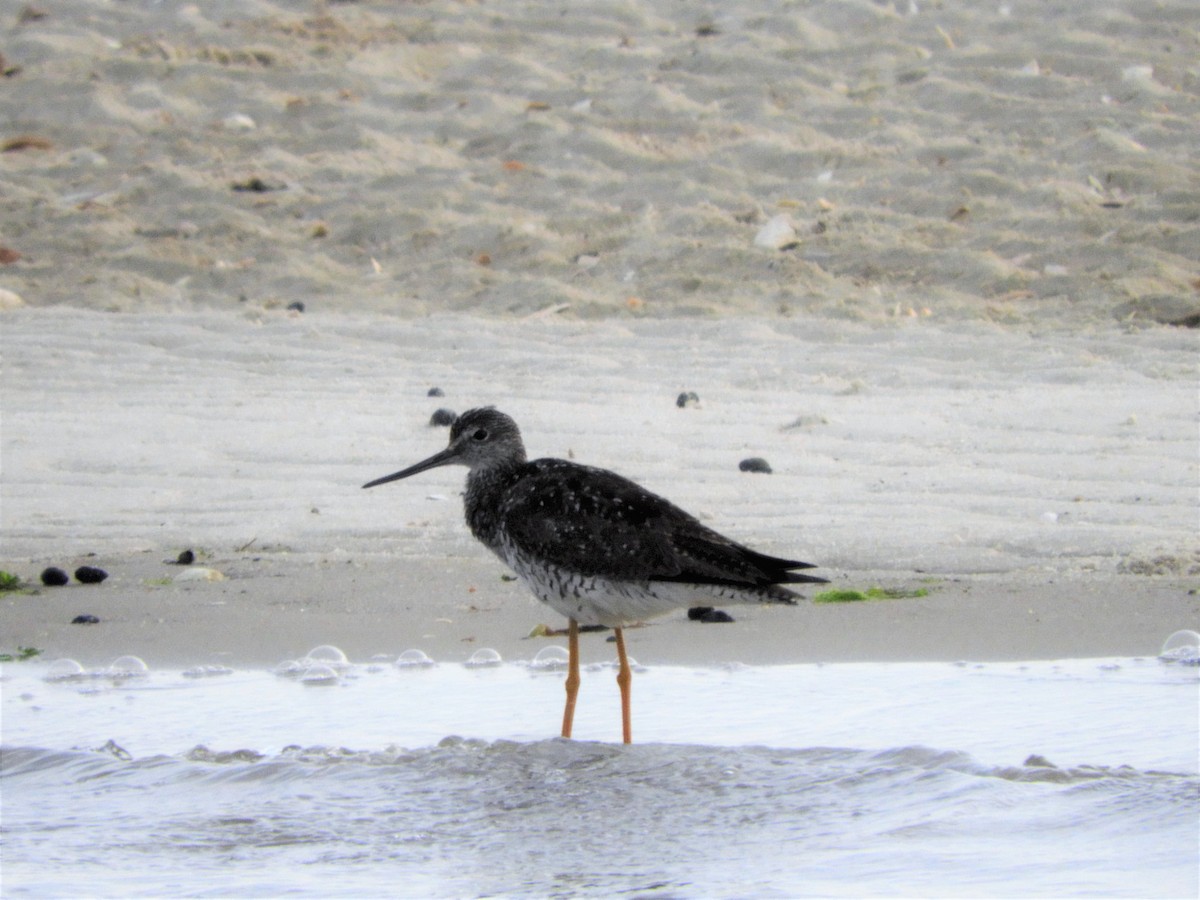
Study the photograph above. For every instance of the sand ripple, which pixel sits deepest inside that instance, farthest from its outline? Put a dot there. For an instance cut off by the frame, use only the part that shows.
(997, 161)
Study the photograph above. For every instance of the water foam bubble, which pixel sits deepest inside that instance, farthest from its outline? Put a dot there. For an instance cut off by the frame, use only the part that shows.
(1182, 647)
(413, 659)
(209, 671)
(634, 665)
(550, 658)
(289, 668)
(327, 655)
(320, 675)
(127, 667)
(483, 658)
(65, 670)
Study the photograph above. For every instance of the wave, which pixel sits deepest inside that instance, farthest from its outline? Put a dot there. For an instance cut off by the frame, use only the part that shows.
(471, 817)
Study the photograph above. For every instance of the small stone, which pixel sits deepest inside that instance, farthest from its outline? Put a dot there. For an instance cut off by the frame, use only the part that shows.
(296, 307)
(199, 573)
(805, 422)
(85, 619)
(90, 575)
(186, 558)
(239, 122)
(55, 577)
(24, 142)
(85, 156)
(443, 418)
(256, 185)
(687, 398)
(708, 615)
(777, 234)
(1137, 73)
(755, 464)
(436, 392)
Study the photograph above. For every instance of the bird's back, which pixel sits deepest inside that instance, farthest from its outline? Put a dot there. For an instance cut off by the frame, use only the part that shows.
(596, 523)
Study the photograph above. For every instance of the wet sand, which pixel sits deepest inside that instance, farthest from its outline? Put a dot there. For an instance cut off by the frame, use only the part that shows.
(1041, 489)
(273, 610)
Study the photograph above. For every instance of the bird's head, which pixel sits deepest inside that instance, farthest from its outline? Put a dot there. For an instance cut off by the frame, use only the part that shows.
(479, 438)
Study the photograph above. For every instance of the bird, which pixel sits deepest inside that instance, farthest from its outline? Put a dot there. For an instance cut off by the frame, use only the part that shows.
(595, 546)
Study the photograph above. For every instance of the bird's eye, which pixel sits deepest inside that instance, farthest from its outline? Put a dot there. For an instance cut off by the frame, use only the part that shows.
(480, 434)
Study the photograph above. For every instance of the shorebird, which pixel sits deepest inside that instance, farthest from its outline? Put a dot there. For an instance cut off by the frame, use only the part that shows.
(593, 545)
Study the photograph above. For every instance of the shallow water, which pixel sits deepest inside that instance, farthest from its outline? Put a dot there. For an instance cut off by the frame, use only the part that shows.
(769, 781)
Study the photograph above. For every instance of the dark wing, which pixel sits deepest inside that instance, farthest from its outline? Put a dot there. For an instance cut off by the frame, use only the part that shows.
(595, 522)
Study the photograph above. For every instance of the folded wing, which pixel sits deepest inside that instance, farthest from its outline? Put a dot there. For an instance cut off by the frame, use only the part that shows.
(597, 523)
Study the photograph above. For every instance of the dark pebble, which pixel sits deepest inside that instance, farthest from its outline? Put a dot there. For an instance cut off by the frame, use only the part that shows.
(85, 619)
(296, 307)
(755, 464)
(186, 558)
(1188, 321)
(697, 611)
(443, 417)
(90, 575)
(255, 185)
(711, 616)
(436, 392)
(687, 398)
(55, 577)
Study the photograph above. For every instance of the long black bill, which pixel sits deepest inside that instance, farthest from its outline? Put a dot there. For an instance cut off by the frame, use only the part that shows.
(445, 458)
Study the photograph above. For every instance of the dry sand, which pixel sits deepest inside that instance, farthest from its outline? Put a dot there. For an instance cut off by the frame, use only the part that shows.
(955, 366)
(1005, 160)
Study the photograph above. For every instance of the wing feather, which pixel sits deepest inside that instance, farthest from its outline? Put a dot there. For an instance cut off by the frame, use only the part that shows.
(597, 523)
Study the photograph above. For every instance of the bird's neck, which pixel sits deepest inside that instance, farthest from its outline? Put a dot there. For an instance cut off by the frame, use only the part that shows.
(483, 499)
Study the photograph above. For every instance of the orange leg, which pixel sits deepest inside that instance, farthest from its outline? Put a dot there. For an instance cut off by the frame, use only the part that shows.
(572, 676)
(624, 682)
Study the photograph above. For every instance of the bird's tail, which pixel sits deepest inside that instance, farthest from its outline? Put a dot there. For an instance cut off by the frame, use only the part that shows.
(773, 570)
(801, 578)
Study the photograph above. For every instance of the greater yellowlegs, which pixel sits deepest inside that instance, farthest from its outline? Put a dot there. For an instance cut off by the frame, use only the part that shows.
(594, 546)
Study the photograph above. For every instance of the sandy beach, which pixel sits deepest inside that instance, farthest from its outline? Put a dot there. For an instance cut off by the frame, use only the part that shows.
(1005, 161)
(1039, 488)
(936, 264)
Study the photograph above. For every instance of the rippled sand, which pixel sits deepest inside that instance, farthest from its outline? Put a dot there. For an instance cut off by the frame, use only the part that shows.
(1039, 489)
(1005, 161)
